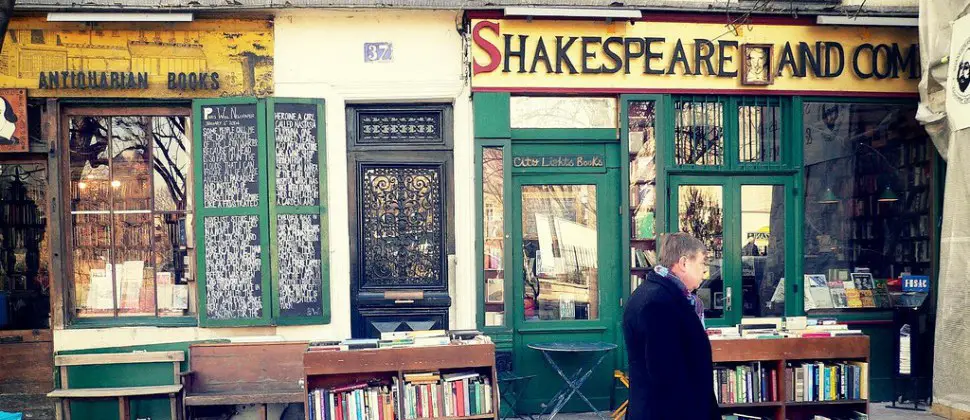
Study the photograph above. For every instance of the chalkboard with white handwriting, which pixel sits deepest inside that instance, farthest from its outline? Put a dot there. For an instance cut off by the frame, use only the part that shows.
(297, 155)
(233, 270)
(299, 255)
(230, 156)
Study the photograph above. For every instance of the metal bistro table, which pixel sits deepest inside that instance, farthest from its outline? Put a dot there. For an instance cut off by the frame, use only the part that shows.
(592, 355)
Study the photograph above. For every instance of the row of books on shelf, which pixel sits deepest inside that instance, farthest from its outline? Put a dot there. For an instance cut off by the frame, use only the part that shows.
(434, 395)
(745, 384)
(788, 327)
(814, 382)
(404, 339)
(373, 401)
(640, 258)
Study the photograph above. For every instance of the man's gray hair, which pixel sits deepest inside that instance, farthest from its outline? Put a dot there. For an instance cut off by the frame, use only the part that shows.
(679, 244)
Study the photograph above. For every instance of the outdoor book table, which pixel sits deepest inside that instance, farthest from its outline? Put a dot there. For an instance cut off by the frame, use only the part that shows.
(590, 355)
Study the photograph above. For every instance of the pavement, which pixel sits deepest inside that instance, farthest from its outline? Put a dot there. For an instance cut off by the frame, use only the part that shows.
(878, 411)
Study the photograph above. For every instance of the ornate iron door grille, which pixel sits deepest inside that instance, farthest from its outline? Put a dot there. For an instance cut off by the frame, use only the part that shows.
(401, 227)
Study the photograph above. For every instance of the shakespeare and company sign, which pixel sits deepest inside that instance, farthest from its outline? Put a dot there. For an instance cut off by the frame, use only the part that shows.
(569, 56)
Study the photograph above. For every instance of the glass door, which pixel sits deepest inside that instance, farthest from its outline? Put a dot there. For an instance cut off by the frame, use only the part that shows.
(565, 243)
(743, 221)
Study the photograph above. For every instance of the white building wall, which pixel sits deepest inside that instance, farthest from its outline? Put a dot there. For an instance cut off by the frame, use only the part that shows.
(320, 54)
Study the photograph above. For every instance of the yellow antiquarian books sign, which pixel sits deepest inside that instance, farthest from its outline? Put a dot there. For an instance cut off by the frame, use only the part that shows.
(205, 58)
(571, 56)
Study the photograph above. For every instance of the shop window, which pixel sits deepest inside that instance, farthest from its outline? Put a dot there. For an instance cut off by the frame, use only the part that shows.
(699, 131)
(561, 271)
(562, 112)
(867, 201)
(24, 247)
(131, 213)
(700, 213)
(493, 202)
(763, 250)
(642, 144)
(759, 130)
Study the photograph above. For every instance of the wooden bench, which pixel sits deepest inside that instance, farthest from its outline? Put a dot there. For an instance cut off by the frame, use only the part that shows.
(65, 394)
(245, 373)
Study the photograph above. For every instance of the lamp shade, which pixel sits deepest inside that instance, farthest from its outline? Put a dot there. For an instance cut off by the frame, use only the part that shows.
(888, 195)
(828, 197)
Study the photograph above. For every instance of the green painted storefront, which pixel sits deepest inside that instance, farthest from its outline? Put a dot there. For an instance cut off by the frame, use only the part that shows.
(496, 140)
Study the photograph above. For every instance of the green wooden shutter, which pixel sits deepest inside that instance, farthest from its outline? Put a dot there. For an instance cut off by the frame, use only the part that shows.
(298, 211)
(231, 205)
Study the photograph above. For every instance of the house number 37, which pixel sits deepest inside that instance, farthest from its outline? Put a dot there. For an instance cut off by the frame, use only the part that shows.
(377, 51)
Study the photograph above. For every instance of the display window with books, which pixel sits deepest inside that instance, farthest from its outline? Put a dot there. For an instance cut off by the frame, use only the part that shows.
(130, 211)
(868, 188)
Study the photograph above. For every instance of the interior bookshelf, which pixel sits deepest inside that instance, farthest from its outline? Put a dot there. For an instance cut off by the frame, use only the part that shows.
(641, 117)
(393, 369)
(779, 357)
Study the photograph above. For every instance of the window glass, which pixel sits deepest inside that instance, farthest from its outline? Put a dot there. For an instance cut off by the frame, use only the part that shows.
(24, 247)
(763, 250)
(562, 112)
(130, 215)
(867, 201)
(699, 131)
(560, 259)
(493, 201)
(701, 214)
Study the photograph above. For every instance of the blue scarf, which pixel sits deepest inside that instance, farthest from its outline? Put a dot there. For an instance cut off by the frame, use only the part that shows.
(691, 298)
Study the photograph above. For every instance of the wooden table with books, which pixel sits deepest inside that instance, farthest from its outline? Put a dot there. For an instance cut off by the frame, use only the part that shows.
(801, 378)
(357, 380)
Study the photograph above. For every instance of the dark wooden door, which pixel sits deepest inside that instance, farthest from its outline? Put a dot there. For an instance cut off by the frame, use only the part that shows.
(401, 217)
(27, 373)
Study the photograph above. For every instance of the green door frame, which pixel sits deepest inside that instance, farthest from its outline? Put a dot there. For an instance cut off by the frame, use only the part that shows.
(731, 251)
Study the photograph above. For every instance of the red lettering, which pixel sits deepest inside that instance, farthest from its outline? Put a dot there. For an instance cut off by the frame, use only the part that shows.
(493, 53)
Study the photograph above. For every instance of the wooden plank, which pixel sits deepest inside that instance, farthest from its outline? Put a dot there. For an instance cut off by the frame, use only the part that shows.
(29, 336)
(173, 406)
(119, 358)
(240, 398)
(26, 366)
(115, 392)
(123, 408)
(65, 384)
(399, 359)
(855, 347)
(262, 412)
(242, 368)
(49, 131)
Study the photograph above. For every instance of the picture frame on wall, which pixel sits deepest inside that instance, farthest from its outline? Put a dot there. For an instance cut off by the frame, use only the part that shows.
(495, 291)
(756, 69)
(13, 120)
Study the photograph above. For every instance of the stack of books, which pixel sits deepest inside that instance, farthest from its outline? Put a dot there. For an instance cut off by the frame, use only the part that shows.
(374, 401)
(723, 333)
(813, 382)
(433, 395)
(414, 339)
(745, 384)
(404, 339)
(855, 416)
(737, 416)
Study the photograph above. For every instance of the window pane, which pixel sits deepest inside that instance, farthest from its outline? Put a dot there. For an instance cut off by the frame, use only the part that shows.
(90, 176)
(701, 214)
(171, 274)
(559, 250)
(493, 201)
(699, 131)
(171, 161)
(94, 292)
(562, 112)
(867, 198)
(24, 262)
(643, 168)
(130, 181)
(763, 249)
(134, 266)
(759, 130)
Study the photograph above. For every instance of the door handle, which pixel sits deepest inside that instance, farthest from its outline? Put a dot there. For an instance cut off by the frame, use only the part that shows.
(727, 300)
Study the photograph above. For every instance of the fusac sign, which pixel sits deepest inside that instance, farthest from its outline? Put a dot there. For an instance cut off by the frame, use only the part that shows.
(551, 54)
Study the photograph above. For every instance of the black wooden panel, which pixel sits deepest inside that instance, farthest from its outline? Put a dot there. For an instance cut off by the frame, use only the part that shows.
(375, 321)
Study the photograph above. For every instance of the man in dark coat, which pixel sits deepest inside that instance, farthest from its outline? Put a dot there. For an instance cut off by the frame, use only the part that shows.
(671, 372)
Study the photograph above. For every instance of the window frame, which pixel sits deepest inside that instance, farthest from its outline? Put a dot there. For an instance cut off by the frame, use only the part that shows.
(72, 319)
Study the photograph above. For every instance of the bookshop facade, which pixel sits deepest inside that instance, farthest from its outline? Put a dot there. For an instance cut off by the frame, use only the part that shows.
(790, 148)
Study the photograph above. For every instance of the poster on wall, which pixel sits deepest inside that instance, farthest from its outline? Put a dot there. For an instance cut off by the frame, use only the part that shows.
(13, 120)
(958, 79)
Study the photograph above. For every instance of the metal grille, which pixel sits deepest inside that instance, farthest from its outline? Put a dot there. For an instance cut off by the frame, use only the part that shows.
(759, 130)
(401, 221)
(398, 126)
(699, 131)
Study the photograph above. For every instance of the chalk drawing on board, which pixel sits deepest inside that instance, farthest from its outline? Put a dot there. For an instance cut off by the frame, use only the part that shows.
(230, 156)
(233, 277)
(299, 251)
